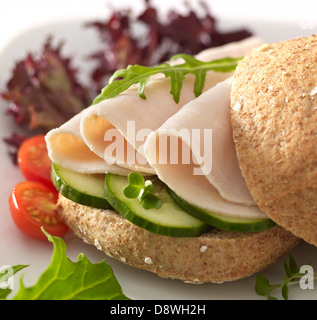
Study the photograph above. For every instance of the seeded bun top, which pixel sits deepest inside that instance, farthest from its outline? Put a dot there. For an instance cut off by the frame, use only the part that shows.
(274, 119)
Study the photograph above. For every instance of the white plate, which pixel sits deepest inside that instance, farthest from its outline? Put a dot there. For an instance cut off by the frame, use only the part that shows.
(15, 248)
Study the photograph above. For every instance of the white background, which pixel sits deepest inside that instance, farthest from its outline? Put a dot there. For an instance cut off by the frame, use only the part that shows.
(23, 25)
(18, 15)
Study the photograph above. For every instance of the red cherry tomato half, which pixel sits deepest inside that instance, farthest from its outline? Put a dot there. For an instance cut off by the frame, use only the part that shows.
(34, 162)
(32, 206)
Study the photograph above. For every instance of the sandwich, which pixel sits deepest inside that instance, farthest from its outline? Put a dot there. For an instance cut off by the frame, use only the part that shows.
(197, 189)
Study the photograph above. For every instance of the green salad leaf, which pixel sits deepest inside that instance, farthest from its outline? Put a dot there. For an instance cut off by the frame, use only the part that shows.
(134, 74)
(5, 275)
(67, 280)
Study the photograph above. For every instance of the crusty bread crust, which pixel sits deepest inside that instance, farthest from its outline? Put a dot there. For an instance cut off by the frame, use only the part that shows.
(216, 256)
(274, 119)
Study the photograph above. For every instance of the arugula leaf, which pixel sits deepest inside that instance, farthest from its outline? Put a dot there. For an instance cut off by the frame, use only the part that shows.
(143, 190)
(67, 280)
(164, 38)
(134, 74)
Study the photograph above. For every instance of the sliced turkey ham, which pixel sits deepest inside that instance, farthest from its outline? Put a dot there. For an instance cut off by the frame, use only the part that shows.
(85, 143)
(183, 160)
(67, 149)
(117, 113)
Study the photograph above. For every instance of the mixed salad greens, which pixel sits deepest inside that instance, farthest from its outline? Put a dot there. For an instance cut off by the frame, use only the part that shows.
(44, 90)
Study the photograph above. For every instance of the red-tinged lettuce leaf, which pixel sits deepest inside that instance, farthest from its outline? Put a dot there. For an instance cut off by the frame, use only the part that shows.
(14, 142)
(43, 91)
(157, 41)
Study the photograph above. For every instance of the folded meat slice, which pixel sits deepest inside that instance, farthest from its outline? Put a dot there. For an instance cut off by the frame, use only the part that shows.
(194, 154)
(125, 117)
(67, 149)
(109, 136)
(130, 119)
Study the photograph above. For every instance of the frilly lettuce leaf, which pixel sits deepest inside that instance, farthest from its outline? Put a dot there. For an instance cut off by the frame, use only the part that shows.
(67, 280)
(157, 39)
(5, 274)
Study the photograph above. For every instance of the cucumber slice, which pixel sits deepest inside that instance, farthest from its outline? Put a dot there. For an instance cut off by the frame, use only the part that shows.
(86, 189)
(168, 220)
(220, 221)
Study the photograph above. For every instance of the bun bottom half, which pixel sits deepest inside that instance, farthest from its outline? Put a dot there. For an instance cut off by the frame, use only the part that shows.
(216, 256)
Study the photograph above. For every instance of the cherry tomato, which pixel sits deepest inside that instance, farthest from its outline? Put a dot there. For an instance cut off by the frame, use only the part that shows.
(34, 162)
(32, 206)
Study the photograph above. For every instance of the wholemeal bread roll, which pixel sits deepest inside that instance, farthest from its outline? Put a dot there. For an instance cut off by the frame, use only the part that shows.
(274, 119)
(216, 256)
(274, 116)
